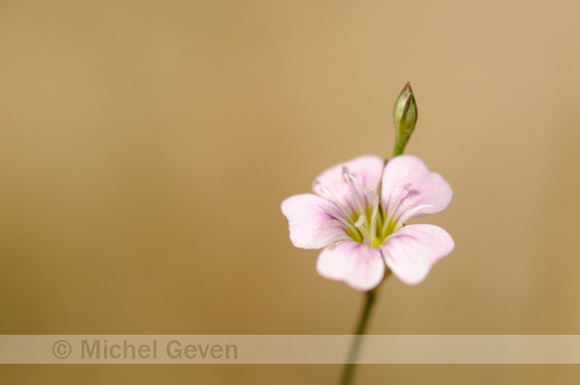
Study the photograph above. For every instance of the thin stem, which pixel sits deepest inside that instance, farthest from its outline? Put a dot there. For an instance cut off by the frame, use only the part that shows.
(348, 373)
(399, 148)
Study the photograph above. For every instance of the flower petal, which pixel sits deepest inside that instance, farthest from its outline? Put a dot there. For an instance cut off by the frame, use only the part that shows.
(360, 266)
(427, 192)
(367, 169)
(311, 223)
(413, 250)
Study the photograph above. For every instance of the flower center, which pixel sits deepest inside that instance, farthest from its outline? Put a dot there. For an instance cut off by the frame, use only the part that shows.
(366, 218)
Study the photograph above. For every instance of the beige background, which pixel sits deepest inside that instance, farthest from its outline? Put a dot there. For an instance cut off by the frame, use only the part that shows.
(146, 146)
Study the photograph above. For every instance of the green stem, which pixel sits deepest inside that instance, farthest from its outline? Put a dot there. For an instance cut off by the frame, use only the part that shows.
(348, 373)
(399, 148)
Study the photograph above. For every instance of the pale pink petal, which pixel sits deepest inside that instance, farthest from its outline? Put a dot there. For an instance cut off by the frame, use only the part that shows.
(367, 169)
(410, 190)
(413, 250)
(360, 266)
(312, 221)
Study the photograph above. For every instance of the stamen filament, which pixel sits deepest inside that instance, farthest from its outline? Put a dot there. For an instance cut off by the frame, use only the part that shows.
(360, 226)
(350, 227)
(375, 201)
(349, 179)
(394, 206)
(410, 213)
(332, 199)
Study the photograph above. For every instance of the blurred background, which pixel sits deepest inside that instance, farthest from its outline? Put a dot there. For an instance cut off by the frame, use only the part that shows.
(146, 147)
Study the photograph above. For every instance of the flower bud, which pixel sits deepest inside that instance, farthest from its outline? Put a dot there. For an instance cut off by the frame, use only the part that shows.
(405, 118)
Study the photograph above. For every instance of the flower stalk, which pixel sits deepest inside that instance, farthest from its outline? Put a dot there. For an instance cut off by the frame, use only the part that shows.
(349, 368)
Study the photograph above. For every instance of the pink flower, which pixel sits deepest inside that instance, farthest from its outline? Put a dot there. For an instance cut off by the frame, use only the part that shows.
(360, 233)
